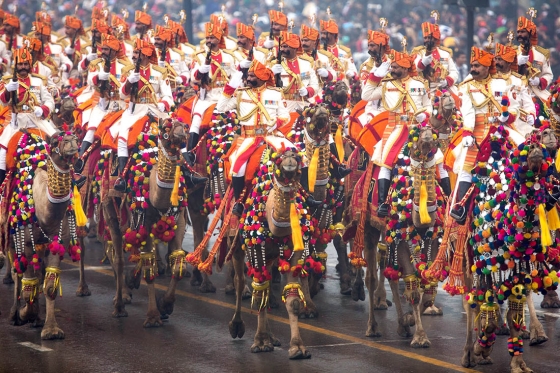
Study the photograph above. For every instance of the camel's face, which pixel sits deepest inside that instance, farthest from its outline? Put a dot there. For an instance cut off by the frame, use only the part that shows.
(172, 133)
(289, 165)
(66, 146)
(318, 127)
(426, 141)
(446, 102)
(65, 111)
(535, 158)
(549, 140)
(340, 93)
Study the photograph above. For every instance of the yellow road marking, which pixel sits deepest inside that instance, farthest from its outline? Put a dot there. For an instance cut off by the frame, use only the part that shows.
(316, 329)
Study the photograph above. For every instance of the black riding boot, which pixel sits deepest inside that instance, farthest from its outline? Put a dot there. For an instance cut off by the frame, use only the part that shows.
(238, 183)
(193, 141)
(304, 181)
(459, 213)
(190, 178)
(338, 169)
(2, 176)
(382, 192)
(445, 185)
(120, 184)
(80, 163)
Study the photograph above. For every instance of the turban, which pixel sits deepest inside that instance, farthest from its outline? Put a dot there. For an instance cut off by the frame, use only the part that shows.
(74, 23)
(508, 54)
(164, 34)
(292, 40)
(378, 37)
(278, 17)
(309, 33)
(117, 22)
(220, 20)
(329, 26)
(524, 23)
(178, 30)
(99, 25)
(143, 18)
(214, 29)
(99, 13)
(262, 72)
(431, 29)
(245, 30)
(147, 49)
(22, 55)
(13, 21)
(484, 58)
(33, 44)
(2, 14)
(404, 60)
(41, 28)
(108, 40)
(43, 17)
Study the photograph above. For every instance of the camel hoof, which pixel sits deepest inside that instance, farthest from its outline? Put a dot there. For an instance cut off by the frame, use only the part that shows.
(468, 360)
(433, 311)
(196, 279)
(372, 332)
(525, 334)
(503, 330)
(127, 298)
(256, 348)
(246, 293)
(132, 279)
(153, 322)
(345, 288)
(236, 329)
(309, 313)
(52, 333)
(7, 280)
(275, 341)
(538, 340)
(207, 287)
(485, 361)
(83, 291)
(550, 303)
(120, 313)
(296, 353)
(380, 304)
(230, 289)
(38, 323)
(420, 342)
(358, 291)
(165, 307)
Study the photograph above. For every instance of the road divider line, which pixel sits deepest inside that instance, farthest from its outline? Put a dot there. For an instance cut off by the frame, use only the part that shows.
(35, 347)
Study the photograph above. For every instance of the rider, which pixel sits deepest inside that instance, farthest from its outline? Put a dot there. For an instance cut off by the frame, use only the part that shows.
(74, 30)
(341, 59)
(246, 43)
(53, 51)
(174, 62)
(322, 59)
(42, 65)
(278, 23)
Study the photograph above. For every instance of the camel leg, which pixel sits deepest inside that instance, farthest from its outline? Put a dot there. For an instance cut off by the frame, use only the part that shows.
(310, 310)
(342, 253)
(263, 341)
(487, 332)
(370, 254)
(149, 273)
(294, 303)
(420, 338)
(538, 334)
(199, 223)
(405, 320)
(206, 286)
(468, 360)
(131, 280)
(380, 301)
(230, 274)
(83, 289)
(551, 300)
(118, 256)
(236, 325)
(514, 315)
(50, 288)
(7, 279)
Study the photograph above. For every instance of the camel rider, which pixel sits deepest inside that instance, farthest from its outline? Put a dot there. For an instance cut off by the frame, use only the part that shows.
(74, 43)
(42, 65)
(278, 23)
(53, 51)
(33, 105)
(212, 74)
(260, 108)
(481, 107)
(341, 59)
(245, 44)
(5, 56)
(299, 81)
(182, 42)
(322, 59)
(506, 67)
(11, 34)
(171, 58)
(142, 23)
(229, 42)
(121, 31)
(434, 61)
(153, 96)
(533, 60)
(107, 84)
(406, 97)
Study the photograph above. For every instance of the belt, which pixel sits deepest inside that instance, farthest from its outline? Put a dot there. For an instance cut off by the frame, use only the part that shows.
(144, 100)
(250, 132)
(24, 109)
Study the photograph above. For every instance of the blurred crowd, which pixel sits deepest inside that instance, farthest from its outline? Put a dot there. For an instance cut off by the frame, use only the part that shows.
(354, 17)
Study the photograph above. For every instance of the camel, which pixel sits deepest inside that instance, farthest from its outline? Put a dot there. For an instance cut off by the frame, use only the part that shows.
(163, 212)
(54, 222)
(276, 198)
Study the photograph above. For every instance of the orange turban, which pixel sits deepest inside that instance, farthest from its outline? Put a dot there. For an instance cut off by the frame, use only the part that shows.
(99, 13)
(524, 23)
(262, 72)
(143, 18)
(508, 54)
(220, 20)
(329, 26)
(402, 59)
(278, 17)
(245, 30)
(74, 23)
(116, 22)
(22, 55)
(164, 34)
(292, 40)
(214, 29)
(178, 30)
(99, 25)
(431, 29)
(33, 43)
(43, 17)
(2, 14)
(13, 21)
(309, 33)
(147, 49)
(41, 28)
(378, 37)
(484, 58)
(108, 40)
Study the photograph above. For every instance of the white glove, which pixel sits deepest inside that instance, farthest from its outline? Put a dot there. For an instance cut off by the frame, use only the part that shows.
(178, 80)
(443, 83)
(530, 120)
(382, 70)
(133, 77)
(91, 56)
(38, 112)
(103, 75)
(303, 92)
(161, 106)
(427, 60)
(468, 141)
(350, 74)
(535, 81)
(522, 60)
(63, 67)
(322, 72)
(204, 69)
(420, 117)
(236, 80)
(12, 86)
(69, 50)
(503, 119)
(9, 54)
(161, 63)
(268, 44)
(277, 69)
(245, 64)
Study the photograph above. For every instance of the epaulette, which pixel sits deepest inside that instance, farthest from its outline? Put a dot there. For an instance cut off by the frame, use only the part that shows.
(129, 42)
(162, 70)
(545, 52)
(231, 38)
(127, 68)
(325, 53)
(517, 75)
(448, 50)
(418, 49)
(63, 42)
(5, 78)
(262, 50)
(346, 49)
(84, 46)
(276, 89)
(368, 64)
(124, 61)
(97, 61)
(201, 52)
(307, 58)
(50, 64)
(179, 52)
(227, 51)
(264, 35)
(470, 79)
(42, 77)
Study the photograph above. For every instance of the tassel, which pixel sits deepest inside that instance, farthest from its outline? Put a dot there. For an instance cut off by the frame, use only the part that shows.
(553, 219)
(175, 191)
(339, 144)
(312, 172)
(557, 161)
(81, 218)
(297, 237)
(424, 215)
(546, 239)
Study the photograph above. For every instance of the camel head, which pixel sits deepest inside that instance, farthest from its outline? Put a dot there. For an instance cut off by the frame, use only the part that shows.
(424, 142)
(182, 94)
(548, 139)
(355, 91)
(288, 165)
(317, 122)
(336, 96)
(445, 108)
(172, 135)
(535, 158)
(64, 148)
(531, 160)
(64, 112)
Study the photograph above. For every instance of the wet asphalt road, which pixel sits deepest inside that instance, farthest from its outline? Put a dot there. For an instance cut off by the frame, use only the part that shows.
(196, 337)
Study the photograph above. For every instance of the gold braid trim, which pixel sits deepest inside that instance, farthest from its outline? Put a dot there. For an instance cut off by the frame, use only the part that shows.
(177, 258)
(293, 289)
(260, 290)
(148, 263)
(59, 184)
(31, 285)
(166, 167)
(324, 157)
(53, 273)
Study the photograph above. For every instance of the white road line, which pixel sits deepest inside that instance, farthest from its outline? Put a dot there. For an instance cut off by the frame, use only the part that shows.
(35, 347)
(404, 339)
(334, 345)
